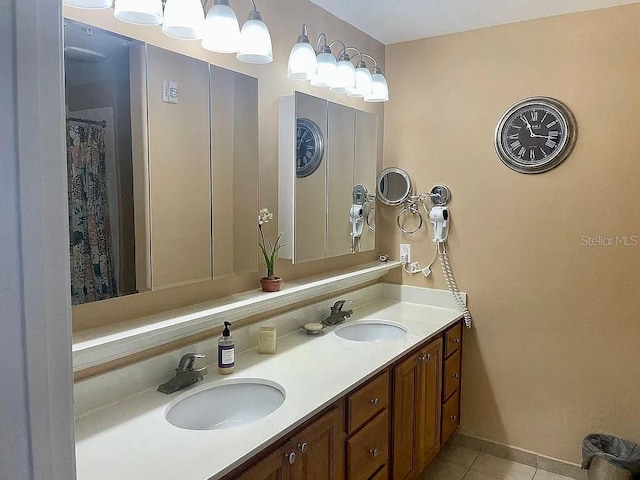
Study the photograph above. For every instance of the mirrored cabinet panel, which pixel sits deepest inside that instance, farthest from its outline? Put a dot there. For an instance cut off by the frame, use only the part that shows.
(327, 170)
(163, 166)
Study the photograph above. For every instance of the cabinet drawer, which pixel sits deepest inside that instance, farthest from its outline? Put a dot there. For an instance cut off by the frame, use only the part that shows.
(381, 475)
(452, 339)
(367, 402)
(451, 374)
(368, 449)
(450, 416)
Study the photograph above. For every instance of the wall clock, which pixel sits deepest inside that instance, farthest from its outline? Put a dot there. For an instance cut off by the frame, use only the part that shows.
(309, 147)
(535, 135)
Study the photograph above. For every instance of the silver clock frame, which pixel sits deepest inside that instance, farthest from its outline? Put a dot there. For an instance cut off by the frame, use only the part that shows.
(568, 124)
(316, 160)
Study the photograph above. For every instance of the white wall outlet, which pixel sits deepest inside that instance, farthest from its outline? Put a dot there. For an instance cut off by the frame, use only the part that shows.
(169, 91)
(405, 253)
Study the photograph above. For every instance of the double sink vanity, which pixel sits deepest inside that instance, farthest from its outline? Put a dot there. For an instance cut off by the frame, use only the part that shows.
(371, 398)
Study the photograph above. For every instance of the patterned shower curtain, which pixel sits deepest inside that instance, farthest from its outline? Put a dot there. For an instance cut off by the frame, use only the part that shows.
(92, 273)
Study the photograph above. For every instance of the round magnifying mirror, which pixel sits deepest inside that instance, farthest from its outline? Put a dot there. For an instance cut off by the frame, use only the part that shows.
(394, 186)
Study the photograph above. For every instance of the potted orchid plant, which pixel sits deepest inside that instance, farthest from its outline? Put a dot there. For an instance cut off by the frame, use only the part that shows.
(269, 250)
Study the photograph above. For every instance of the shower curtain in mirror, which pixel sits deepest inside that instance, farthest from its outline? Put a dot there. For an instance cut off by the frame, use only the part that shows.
(92, 273)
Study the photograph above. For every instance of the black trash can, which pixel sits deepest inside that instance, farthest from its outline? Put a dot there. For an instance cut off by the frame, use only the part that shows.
(610, 458)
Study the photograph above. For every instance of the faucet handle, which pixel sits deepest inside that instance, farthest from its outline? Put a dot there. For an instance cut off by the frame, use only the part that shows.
(187, 361)
(337, 307)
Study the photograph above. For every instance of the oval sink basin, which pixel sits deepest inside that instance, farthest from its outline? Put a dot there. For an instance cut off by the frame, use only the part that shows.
(227, 406)
(371, 331)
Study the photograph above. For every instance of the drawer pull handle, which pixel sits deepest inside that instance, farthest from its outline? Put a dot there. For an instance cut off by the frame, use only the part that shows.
(375, 402)
(454, 375)
(303, 447)
(374, 452)
(454, 418)
(291, 457)
(456, 340)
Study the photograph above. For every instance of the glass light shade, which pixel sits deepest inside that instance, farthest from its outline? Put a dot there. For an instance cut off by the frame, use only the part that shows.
(255, 43)
(89, 3)
(379, 90)
(140, 12)
(364, 83)
(325, 71)
(303, 63)
(221, 30)
(344, 79)
(183, 19)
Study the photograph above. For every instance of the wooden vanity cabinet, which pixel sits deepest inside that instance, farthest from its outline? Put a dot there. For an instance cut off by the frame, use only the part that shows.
(416, 403)
(315, 452)
(452, 373)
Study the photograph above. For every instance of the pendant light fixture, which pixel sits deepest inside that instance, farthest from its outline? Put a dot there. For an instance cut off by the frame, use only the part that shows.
(379, 88)
(221, 30)
(303, 64)
(255, 40)
(340, 76)
(140, 12)
(326, 64)
(344, 79)
(183, 19)
(92, 4)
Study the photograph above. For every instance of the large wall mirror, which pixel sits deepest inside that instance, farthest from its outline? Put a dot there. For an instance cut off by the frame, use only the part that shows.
(162, 154)
(328, 155)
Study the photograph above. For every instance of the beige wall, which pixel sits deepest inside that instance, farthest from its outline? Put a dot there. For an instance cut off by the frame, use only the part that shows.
(284, 19)
(555, 350)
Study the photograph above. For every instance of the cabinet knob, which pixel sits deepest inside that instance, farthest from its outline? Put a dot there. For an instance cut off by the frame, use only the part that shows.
(375, 402)
(456, 340)
(374, 452)
(424, 358)
(291, 458)
(454, 375)
(303, 447)
(453, 418)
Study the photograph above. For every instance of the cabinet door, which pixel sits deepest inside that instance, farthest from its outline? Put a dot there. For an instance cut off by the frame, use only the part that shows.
(407, 390)
(429, 432)
(272, 467)
(320, 449)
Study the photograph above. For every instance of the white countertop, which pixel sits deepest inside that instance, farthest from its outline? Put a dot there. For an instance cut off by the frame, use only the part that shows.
(132, 439)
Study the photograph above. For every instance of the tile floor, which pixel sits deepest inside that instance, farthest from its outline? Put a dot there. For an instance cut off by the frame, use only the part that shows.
(460, 463)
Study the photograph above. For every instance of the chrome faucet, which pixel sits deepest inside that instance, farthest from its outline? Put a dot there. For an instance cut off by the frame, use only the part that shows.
(337, 314)
(185, 374)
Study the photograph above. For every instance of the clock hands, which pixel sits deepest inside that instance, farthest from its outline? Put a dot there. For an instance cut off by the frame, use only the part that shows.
(524, 119)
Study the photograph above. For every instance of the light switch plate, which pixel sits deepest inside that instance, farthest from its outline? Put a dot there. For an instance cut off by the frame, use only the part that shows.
(405, 253)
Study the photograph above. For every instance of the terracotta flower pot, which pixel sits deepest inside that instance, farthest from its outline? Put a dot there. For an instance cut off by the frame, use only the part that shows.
(271, 284)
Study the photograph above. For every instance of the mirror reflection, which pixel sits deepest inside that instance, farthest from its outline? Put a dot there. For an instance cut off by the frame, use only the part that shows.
(163, 160)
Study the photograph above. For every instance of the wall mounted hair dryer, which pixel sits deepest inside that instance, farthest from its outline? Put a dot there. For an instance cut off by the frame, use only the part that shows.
(439, 216)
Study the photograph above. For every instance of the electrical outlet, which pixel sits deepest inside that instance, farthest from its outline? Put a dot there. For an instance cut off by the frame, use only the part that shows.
(414, 267)
(405, 253)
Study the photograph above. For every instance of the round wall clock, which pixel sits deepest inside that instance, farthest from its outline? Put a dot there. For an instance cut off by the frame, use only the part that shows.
(309, 147)
(535, 135)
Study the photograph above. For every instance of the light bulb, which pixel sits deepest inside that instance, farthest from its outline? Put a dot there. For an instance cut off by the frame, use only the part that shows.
(364, 82)
(344, 79)
(140, 12)
(221, 30)
(183, 19)
(302, 62)
(255, 41)
(94, 4)
(379, 88)
(326, 69)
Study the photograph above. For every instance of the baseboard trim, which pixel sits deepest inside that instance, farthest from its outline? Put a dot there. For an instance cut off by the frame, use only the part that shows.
(519, 455)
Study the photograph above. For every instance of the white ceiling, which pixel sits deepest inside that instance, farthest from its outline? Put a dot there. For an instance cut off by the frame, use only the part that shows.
(393, 21)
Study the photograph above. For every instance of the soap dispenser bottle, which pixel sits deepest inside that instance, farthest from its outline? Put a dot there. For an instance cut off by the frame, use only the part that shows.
(226, 351)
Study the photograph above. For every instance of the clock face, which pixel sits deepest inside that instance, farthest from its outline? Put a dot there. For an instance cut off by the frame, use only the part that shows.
(309, 147)
(535, 135)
